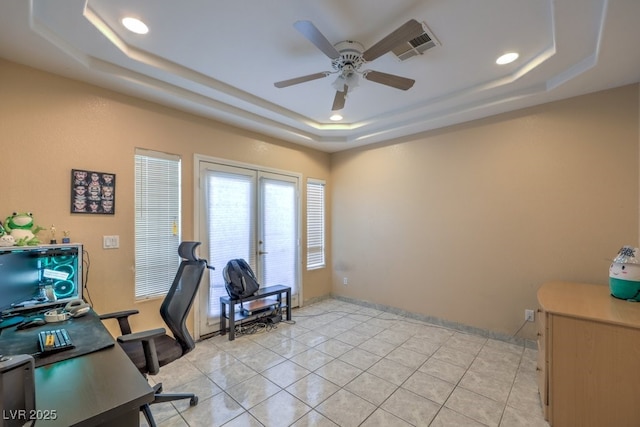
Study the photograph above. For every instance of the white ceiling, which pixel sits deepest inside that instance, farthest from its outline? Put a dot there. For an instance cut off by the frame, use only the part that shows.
(219, 59)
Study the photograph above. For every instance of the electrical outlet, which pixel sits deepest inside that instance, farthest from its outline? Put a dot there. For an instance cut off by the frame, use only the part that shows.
(345, 281)
(529, 315)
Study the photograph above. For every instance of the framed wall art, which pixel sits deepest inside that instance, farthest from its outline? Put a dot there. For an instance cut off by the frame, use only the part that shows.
(93, 192)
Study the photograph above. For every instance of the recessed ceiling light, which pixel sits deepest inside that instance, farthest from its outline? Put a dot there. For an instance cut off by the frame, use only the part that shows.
(336, 117)
(507, 58)
(135, 25)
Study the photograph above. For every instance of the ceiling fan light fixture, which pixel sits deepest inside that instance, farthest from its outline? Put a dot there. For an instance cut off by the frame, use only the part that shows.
(507, 58)
(135, 25)
(348, 56)
(336, 117)
(350, 80)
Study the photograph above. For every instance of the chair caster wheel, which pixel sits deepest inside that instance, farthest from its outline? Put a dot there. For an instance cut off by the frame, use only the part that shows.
(193, 401)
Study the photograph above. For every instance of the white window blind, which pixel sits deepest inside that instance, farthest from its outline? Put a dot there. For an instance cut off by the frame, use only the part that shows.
(315, 224)
(279, 232)
(231, 223)
(157, 222)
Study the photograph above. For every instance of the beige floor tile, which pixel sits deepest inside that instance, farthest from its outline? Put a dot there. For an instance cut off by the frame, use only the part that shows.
(213, 412)
(352, 337)
(443, 370)
(453, 356)
(281, 409)
(314, 419)
(396, 335)
(338, 372)
(391, 371)
(262, 360)
(231, 374)
(334, 347)
(448, 418)
(346, 409)
(311, 338)
(409, 358)
(360, 358)
(383, 418)
(288, 347)
(377, 347)
(176, 421)
(253, 391)
(428, 386)
(410, 407)
(516, 418)
(421, 345)
(244, 420)
(486, 384)
(371, 388)
(343, 364)
(475, 406)
(286, 373)
(312, 359)
(313, 389)
(202, 387)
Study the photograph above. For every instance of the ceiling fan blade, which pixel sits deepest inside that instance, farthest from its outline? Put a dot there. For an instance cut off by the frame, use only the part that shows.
(338, 101)
(302, 79)
(408, 31)
(392, 80)
(307, 29)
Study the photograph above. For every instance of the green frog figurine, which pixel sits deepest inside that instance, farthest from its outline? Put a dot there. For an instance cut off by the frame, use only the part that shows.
(21, 227)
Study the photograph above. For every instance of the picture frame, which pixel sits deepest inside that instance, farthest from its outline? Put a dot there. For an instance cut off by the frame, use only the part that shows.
(93, 192)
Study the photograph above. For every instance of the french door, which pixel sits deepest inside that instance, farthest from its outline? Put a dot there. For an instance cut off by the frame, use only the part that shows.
(251, 214)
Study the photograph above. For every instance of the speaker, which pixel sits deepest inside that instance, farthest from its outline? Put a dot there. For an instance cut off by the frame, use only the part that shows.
(17, 390)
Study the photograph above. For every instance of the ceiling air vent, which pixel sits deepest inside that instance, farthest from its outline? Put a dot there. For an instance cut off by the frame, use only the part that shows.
(417, 46)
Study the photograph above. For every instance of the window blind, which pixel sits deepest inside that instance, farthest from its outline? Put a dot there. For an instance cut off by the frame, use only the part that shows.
(280, 232)
(231, 224)
(315, 224)
(157, 222)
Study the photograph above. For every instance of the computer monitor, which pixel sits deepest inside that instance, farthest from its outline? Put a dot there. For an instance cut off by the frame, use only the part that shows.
(39, 276)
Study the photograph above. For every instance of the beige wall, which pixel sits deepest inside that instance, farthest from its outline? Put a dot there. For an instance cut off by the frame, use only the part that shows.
(465, 223)
(462, 224)
(49, 125)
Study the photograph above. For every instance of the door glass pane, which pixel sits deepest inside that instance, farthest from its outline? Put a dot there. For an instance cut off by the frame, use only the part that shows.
(244, 213)
(278, 233)
(231, 227)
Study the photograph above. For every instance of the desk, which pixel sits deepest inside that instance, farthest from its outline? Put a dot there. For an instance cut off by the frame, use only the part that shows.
(588, 350)
(99, 388)
(227, 302)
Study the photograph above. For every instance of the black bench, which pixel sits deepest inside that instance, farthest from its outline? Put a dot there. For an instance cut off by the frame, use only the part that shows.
(228, 307)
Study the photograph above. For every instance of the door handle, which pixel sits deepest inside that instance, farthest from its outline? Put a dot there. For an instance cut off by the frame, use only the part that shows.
(262, 253)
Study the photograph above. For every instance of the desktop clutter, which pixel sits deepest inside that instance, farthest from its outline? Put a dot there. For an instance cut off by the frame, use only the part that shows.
(73, 309)
(624, 274)
(19, 229)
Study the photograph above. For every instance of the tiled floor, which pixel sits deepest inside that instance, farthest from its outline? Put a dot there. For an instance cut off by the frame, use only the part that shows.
(348, 365)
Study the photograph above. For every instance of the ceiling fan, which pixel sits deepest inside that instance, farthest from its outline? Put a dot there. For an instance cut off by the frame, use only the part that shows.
(348, 57)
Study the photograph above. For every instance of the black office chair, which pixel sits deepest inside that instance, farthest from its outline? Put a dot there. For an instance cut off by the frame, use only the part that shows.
(149, 350)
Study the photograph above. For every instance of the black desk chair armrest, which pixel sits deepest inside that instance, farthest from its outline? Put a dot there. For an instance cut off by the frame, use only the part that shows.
(123, 319)
(148, 346)
(143, 335)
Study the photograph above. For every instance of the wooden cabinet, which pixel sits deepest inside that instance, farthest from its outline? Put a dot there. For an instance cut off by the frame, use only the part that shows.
(588, 356)
(542, 365)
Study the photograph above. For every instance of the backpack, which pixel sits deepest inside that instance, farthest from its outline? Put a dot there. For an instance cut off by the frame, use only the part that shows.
(239, 279)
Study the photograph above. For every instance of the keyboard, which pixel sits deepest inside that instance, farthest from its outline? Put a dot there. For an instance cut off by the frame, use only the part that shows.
(54, 341)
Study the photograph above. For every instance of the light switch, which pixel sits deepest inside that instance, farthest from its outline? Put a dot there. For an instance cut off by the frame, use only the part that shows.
(110, 242)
